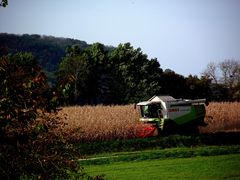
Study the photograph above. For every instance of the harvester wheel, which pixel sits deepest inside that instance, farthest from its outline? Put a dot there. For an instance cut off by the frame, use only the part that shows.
(170, 128)
(191, 130)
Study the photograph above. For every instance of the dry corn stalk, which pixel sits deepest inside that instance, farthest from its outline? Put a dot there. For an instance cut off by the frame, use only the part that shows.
(91, 123)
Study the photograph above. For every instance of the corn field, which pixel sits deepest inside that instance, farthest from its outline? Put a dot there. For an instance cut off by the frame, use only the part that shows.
(222, 117)
(87, 123)
(91, 123)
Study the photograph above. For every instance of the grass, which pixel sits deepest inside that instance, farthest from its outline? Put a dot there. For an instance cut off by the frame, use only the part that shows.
(211, 167)
(108, 158)
(217, 139)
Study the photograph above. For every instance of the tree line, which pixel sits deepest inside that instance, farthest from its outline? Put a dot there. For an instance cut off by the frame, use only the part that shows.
(126, 75)
(99, 74)
(225, 79)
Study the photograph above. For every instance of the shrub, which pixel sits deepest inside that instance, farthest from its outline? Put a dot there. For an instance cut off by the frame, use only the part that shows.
(31, 141)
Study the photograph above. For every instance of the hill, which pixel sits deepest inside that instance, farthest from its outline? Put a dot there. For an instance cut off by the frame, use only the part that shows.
(48, 50)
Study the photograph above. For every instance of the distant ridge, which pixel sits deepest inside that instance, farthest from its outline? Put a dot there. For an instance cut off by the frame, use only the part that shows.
(48, 50)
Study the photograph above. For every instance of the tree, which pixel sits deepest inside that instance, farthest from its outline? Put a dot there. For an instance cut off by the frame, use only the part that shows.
(4, 3)
(122, 75)
(230, 72)
(24, 97)
(74, 71)
(100, 89)
(88, 70)
(225, 87)
(211, 72)
(198, 87)
(24, 90)
(32, 145)
(138, 78)
(173, 84)
(150, 85)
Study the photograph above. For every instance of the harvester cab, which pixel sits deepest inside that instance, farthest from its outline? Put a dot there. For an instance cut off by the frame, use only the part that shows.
(169, 115)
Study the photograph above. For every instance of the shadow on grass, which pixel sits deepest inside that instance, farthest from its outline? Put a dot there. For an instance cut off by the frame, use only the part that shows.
(221, 138)
(160, 142)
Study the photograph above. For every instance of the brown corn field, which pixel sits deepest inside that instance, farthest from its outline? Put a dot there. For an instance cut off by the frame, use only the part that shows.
(222, 117)
(90, 123)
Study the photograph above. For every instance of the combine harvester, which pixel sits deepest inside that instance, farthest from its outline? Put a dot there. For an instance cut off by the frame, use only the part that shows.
(167, 115)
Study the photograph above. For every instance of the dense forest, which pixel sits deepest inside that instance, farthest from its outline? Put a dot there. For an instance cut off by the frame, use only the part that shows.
(95, 73)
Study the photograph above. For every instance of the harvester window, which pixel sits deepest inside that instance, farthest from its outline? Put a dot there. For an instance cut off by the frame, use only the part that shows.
(150, 111)
(144, 111)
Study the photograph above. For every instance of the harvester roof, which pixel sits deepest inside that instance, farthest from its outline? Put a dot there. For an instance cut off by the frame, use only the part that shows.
(170, 100)
(162, 98)
(156, 99)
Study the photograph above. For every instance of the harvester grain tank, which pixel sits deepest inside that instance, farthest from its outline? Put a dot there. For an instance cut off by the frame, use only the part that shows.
(169, 115)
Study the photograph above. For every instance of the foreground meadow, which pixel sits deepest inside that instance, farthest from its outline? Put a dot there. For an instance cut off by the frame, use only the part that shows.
(89, 123)
(211, 167)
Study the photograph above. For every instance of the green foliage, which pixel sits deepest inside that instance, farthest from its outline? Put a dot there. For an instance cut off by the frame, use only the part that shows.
(73, 72)
(48, 50)
(77, 69)
(174, 84)
(138, 75)
(199, 88)
(31, 142)
(94, 75)
(125, 75)
(97, 74)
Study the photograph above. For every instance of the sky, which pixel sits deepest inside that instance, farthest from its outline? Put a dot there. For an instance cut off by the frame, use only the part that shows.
(184, 35)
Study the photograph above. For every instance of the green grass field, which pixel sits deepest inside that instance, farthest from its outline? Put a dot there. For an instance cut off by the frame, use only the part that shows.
(209, 167)
(151, 160)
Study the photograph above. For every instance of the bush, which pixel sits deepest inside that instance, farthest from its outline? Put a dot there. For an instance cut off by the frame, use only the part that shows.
(30, 145)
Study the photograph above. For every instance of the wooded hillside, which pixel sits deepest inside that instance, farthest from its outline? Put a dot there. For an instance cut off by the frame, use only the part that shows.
(48, 50)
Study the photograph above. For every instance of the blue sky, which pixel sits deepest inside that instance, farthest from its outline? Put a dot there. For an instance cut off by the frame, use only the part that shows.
(184, 35)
